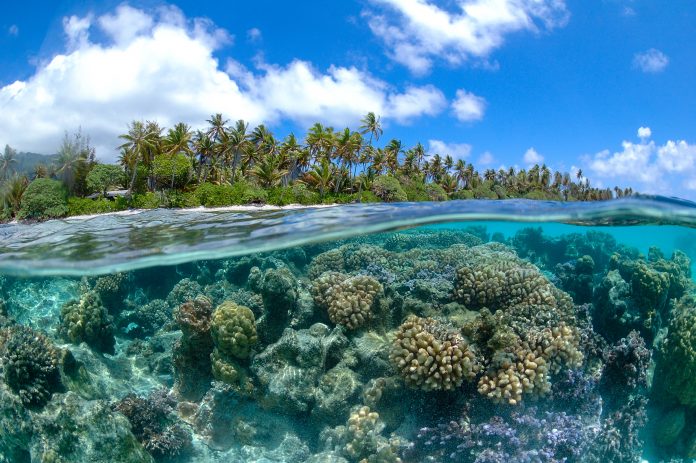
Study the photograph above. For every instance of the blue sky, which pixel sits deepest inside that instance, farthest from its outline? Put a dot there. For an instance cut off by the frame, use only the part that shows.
(497, 82)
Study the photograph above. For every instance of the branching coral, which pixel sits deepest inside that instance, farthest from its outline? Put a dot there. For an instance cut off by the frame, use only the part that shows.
(29, 364)
(431, 356)
(154, 424)
(87, 320)
(349, 300)
(362, 439)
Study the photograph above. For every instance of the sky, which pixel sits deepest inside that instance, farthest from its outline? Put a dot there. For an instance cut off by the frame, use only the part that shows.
(605, 86)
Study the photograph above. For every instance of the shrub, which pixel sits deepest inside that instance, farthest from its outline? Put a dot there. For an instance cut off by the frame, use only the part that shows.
(44, 198)
(104, 176)
(367, 197)
(414, 188)
(87, 206)
(281, 196)
(147, 200)
(166, 168)
(304, 195)
(388, 189)
(210, 195)
(435, 192)
(248, 193)
(463, 194)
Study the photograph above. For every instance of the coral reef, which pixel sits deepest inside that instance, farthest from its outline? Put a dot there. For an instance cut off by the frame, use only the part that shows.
(87, 320)
(29, 364)
(145, 320)
(233, 329)
(361, 439)
(431, 356)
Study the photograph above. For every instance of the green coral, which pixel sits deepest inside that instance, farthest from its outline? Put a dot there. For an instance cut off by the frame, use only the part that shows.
(29, 362)
(674, 378)
(431, 356)
(87, 320)
(234, 330)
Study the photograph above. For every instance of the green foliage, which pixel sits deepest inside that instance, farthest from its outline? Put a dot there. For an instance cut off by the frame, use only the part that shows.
(87, 206)
(303, 195)
(435, 192)
(484, 191)
(44, 198)
(463, 194)
(414, 188)
(281, 196)
(175, 168)
(242, 192)
(147, 200)
(104, 176)
(367, 197)
(388, 189)
(11, 195)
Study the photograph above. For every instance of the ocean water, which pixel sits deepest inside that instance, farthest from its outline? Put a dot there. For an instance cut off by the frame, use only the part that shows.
(475, 331)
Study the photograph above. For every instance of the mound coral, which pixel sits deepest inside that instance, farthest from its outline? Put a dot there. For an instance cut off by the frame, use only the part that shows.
(431, 356)
(234, 330)
(87, 320)
(361, 439)
(349, 300)
(674, 378)
(29, 363)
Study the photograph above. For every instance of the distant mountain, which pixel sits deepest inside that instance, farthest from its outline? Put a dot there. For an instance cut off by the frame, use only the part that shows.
(27, 161)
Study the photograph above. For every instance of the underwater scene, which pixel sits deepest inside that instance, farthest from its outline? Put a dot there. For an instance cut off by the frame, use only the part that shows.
(508, 331)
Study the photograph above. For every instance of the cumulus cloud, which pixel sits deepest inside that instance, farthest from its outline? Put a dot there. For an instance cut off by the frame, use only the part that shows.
(644, 132)
(646, 166)
(651, 61)
(468, 107)
(254, 35)
(486, 159)
(416, 32)
(532, 157)
(160, 65)
(456, 150)
(13, 30)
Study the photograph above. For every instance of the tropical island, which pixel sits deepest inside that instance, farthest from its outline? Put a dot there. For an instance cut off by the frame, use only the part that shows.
(228, 164)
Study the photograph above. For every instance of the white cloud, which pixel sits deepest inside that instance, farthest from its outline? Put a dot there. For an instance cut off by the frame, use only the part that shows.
(486, 159)
(650, 61)
(468, 107)
(644, 132)
(13, 30)
(254, 35)
(456, 150)
(160, 66)
(647, 166)
(416, 32)
(532, 157)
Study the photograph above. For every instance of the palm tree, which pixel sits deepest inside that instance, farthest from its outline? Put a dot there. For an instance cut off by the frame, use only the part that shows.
(204, 146)
(269, 171)
(70, 159)
(140, 141)
(320, 177)
(177, 141)
(392, 151)
(7, 162)
(217, 126)
(371, 124)
(11, 194)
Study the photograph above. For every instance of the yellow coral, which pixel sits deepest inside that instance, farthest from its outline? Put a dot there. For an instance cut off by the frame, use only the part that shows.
(430, 356)
(349, 300)
(234, 329)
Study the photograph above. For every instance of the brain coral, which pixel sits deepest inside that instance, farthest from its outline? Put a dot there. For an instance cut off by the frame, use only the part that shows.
(87, 320)
(431, 356)
(29, 364)
(234, 329)
(349, 299)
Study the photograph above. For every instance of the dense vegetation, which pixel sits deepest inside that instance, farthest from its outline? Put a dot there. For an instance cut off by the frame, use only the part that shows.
(229, 164)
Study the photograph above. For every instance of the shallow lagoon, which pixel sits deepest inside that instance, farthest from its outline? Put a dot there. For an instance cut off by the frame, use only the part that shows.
(494, 331)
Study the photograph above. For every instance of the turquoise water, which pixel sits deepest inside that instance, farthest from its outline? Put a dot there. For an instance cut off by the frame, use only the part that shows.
(438, 332)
